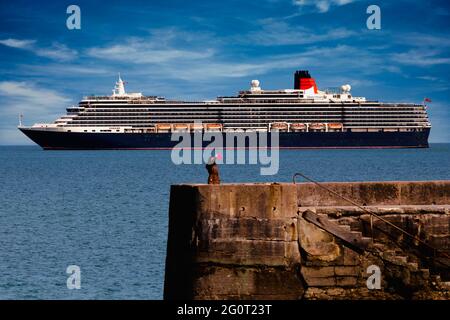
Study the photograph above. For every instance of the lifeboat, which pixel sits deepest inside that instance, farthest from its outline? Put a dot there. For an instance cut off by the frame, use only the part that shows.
(196, 127)
(335, 126)
(180, 127)
(316, 126)
(163, 127)
(279, 126)
(298, 127)
(214, 127)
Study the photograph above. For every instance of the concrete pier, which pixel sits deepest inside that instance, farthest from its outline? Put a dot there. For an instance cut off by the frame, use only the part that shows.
(257, 241)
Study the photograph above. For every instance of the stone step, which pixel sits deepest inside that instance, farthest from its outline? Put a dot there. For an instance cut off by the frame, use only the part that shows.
(425, 273)
(352, 238)
(445, 285)
(346, 227)
(379, 246)
(403, 260)
(396, 256)
(412, 258)
(366, 240)
(413, 266)
(436, 278)
(389, 253)
(357, 234)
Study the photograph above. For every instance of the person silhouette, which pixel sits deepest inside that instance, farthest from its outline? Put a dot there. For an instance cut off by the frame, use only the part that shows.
(213, 171)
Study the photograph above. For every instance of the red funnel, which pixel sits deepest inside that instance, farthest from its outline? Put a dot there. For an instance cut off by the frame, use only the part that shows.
(303, 81)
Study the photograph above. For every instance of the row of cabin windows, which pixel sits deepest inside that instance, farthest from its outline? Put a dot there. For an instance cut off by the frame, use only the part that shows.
(99, 130)
(239, 108)
(348, 130)
(287, 116)
(324, 119)
(224, 108)
(244, 114)
(256, 112)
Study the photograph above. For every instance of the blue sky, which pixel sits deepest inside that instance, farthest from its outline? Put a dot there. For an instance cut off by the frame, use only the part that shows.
(201, 49)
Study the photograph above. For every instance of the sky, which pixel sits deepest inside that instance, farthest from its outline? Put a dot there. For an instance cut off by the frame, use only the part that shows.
(198, 50)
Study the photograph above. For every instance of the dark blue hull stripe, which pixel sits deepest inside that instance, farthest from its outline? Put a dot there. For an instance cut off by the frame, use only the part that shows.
(287, 140)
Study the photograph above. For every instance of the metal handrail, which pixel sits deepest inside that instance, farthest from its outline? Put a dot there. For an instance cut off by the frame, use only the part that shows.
(435, 250)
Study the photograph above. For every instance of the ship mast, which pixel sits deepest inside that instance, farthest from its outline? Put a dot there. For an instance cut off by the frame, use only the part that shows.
(119, 89)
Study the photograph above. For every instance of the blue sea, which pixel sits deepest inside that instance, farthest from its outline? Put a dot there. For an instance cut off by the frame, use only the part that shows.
(106, 211)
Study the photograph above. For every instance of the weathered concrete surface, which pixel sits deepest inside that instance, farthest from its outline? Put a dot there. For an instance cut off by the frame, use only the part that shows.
(249, 241)
(376, 193)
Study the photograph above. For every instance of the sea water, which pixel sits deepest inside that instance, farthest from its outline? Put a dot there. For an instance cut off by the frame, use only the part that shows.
(106, 211)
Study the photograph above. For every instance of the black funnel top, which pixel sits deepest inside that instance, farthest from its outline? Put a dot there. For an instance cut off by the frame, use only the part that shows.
(300, 74)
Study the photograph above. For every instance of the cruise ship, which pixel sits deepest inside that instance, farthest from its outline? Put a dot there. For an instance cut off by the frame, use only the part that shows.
(302, 117)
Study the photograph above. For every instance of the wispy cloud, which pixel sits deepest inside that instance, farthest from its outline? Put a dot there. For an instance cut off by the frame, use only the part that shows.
(417, 39)
(16, 43)
(138, 51)
(56, 51)
(66, 70)
(160, 46)
(281, 33)
(177, 54)
(428, 78)
(28, 97)
(321, 6)
(363, 63)
(420, 58)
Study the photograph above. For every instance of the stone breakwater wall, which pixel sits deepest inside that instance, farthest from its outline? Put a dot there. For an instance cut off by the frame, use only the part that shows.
(251, 241)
